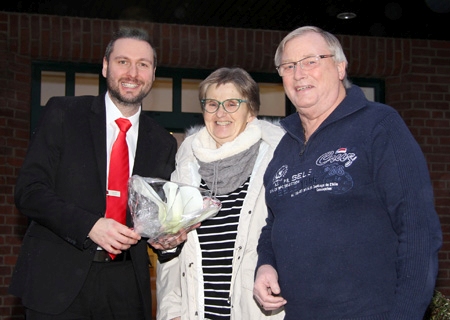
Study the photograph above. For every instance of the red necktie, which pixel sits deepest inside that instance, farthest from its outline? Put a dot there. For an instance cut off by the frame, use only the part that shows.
(117, 195)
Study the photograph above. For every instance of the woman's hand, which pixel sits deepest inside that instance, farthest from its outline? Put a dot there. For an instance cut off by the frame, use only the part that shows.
(172, 241)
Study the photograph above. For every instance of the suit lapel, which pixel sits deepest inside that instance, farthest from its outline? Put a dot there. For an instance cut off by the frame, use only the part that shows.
(97, 122)
(143, 148)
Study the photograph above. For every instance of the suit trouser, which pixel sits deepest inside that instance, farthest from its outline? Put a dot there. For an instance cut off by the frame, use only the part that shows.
(110, 292)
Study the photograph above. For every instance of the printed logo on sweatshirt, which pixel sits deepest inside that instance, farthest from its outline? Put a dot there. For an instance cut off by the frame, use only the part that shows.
(340, 155)
(332, 177)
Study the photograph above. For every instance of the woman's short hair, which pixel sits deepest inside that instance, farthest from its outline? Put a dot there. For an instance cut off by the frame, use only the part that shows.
(241, 79)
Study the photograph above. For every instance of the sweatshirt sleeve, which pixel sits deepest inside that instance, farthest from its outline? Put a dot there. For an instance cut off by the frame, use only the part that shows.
(264, 249)
(404, 186)
(266, 255)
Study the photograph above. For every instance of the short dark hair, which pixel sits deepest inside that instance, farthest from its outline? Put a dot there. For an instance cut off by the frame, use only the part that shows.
(241, 79)
(129, 33)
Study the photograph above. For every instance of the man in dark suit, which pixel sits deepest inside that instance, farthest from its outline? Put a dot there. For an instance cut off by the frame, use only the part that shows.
(64, 270)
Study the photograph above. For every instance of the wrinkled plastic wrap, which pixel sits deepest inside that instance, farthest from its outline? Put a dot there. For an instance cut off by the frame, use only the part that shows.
(160, 207)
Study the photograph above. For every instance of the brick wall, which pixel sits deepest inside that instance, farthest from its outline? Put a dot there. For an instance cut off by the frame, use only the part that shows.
(416, 72)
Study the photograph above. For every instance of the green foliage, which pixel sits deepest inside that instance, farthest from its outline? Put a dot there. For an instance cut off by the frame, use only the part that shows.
(439, 308)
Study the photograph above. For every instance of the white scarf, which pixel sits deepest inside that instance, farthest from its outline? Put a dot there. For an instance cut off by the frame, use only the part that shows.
(224, 169)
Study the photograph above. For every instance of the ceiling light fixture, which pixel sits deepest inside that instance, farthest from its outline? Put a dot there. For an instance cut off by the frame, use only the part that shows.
(346, 15)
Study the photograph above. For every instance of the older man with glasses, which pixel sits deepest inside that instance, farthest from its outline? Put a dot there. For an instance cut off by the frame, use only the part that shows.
(352, 232)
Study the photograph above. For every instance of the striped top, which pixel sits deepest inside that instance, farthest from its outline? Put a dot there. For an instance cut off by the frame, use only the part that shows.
(217, 236)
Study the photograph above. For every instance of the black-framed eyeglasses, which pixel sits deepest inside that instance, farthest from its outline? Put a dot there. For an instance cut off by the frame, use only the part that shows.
(229, 105)
(308, 63)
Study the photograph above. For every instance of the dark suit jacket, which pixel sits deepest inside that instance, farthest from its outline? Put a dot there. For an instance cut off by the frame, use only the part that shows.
(62, 189)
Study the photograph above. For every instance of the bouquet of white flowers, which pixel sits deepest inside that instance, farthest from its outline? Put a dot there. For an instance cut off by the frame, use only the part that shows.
(159, 207)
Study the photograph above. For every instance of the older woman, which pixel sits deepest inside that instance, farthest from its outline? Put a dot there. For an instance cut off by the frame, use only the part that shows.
(212, 278)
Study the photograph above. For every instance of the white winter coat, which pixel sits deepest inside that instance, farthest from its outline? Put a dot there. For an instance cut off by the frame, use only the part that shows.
(180, 281)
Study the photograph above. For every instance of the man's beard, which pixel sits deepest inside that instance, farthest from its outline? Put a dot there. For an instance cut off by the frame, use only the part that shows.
(116, 95)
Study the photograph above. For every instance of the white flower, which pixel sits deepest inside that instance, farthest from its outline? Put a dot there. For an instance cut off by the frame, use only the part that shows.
(163, 207)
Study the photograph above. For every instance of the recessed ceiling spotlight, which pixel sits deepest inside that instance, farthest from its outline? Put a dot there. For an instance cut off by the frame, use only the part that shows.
(346, 15)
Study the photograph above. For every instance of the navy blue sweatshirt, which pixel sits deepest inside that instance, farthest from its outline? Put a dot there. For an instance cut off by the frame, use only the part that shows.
(352, 229)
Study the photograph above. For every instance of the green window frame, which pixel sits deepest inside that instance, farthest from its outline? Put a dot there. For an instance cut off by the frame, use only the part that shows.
(175, 120)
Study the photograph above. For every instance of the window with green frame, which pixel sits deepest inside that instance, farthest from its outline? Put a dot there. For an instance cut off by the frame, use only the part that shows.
(173, 101)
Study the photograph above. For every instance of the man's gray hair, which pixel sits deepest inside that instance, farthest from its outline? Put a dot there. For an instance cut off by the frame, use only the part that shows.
(333, 44)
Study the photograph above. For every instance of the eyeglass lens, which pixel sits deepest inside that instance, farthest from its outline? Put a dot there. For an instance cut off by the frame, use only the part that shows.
(230, 105)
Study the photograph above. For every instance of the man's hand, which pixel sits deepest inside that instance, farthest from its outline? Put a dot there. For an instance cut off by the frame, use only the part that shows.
(266, 290)
(171, 241)
(113, 236)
